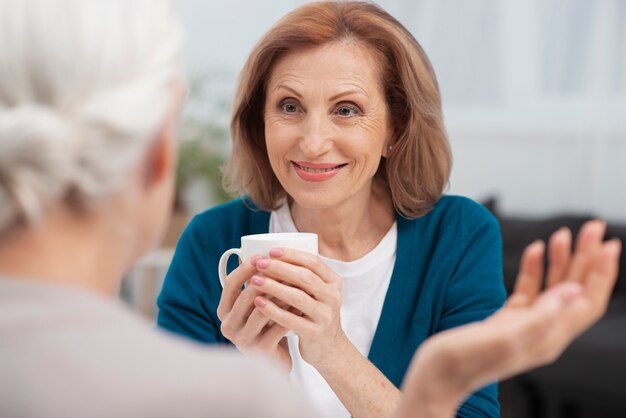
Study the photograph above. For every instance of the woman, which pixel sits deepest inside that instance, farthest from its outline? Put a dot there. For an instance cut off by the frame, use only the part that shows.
(72, 222)
(337, 129)
(87, 165)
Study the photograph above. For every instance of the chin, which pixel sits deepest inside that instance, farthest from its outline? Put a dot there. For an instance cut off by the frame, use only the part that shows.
(317, 199)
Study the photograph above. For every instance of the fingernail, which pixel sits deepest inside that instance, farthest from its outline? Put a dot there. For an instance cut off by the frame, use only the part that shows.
(257, 280)
(260, 302)
(262, 263)
(277, 252)
(254, 259)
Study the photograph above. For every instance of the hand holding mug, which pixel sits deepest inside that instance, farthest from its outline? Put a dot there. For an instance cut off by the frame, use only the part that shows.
(242, 323)
(303, 281)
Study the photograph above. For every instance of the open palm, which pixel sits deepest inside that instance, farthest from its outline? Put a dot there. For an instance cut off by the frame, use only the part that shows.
(534, 326)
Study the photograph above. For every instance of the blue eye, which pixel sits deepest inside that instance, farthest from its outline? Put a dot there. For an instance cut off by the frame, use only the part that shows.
(347, 111)
(288, 107)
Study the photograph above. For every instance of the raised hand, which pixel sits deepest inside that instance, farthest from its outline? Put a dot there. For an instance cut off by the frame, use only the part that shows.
(532, 329)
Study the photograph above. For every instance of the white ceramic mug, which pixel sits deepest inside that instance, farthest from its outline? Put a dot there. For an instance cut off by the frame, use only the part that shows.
(261, 244)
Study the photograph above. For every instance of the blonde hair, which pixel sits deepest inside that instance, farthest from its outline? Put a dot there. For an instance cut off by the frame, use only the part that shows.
(418, 167)
(85, 86)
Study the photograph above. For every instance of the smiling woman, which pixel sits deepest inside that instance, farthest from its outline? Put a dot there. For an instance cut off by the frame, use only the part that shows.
(337, 130)
(327, 129)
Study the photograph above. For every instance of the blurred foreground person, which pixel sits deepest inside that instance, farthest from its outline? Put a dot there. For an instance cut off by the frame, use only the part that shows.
(89, 96)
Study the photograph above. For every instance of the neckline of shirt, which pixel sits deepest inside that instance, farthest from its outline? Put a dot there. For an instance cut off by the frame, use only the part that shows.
(283, 222)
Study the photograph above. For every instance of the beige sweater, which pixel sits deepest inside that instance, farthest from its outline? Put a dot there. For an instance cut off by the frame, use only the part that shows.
(70, 353)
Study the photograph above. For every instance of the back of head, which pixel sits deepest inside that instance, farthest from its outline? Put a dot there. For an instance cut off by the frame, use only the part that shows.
(84, 86)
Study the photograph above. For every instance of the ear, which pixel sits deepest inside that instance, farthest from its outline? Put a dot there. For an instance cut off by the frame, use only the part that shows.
(387, 149)
(162, 156)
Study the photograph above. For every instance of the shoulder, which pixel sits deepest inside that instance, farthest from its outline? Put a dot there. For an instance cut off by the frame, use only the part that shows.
(454, 228)
(130, 369)
(227, 211)
(196, 377)
(235, 218)
(455, 215)
(451, 206)
(464, 216)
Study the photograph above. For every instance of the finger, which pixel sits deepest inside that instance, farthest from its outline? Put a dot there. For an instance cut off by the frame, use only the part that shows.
(587, 244)
(598, 284)
(517, 301)
(604, 274)
(528, 283)
(280, 316)
(296, 276)
(291, 296)
(241, 310)
(559, 249)
(273, 334)
(305, 259)
(253, 328)
(590, 235)
(233, 283)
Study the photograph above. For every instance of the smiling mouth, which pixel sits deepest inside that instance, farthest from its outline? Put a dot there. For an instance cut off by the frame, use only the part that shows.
(325, 169)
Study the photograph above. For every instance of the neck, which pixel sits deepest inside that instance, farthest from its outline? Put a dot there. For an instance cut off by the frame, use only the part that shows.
(348, 231)
(67, 249)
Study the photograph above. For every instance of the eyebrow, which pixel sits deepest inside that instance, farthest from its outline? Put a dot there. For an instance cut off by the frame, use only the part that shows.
(330, 99)
(346, 93)
(298, 95)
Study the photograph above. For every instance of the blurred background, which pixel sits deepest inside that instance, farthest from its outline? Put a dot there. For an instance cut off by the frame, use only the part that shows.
(534, 97)
(534, 91)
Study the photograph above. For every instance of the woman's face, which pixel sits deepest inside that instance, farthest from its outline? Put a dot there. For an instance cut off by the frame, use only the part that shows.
(326, 124)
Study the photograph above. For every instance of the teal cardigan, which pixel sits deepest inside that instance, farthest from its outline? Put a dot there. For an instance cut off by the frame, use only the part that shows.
(448, 272)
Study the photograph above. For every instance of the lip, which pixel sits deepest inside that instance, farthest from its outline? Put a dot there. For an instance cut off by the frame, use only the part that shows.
(302, 169)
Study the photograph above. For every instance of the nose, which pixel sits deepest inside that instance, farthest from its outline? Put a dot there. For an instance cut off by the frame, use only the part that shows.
(316, 135)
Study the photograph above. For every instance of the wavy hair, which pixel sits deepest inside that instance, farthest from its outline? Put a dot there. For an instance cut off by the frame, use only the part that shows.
(417, 169)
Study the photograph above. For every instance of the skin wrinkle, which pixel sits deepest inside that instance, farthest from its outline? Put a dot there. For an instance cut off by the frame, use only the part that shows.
(313, 131)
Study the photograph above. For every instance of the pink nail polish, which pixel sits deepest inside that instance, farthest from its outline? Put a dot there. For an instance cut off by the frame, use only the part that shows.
(254, 259)
(262, 264)
(277, 252)
(258, 281)
(260, 302)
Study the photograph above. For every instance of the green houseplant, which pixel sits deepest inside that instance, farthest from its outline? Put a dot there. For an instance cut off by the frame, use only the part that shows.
(204, 144)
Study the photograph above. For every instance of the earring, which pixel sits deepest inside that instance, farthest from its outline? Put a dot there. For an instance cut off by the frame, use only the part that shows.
(389, 148)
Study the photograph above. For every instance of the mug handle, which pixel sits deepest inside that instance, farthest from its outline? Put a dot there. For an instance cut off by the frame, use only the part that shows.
(221, 269)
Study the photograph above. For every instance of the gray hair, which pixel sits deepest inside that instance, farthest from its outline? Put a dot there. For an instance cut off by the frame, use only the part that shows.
(85, 85)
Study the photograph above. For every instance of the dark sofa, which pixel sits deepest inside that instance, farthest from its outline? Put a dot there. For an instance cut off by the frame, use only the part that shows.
(589, 380)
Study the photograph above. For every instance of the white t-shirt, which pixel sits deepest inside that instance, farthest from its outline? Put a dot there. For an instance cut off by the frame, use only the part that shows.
(365, 284)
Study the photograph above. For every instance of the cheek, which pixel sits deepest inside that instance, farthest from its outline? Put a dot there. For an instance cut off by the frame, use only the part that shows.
(369, 144)
(273, 140)
(277, 147)
(280, 136)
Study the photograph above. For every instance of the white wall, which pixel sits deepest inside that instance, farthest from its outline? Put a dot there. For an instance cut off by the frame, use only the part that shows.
(534, 91)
